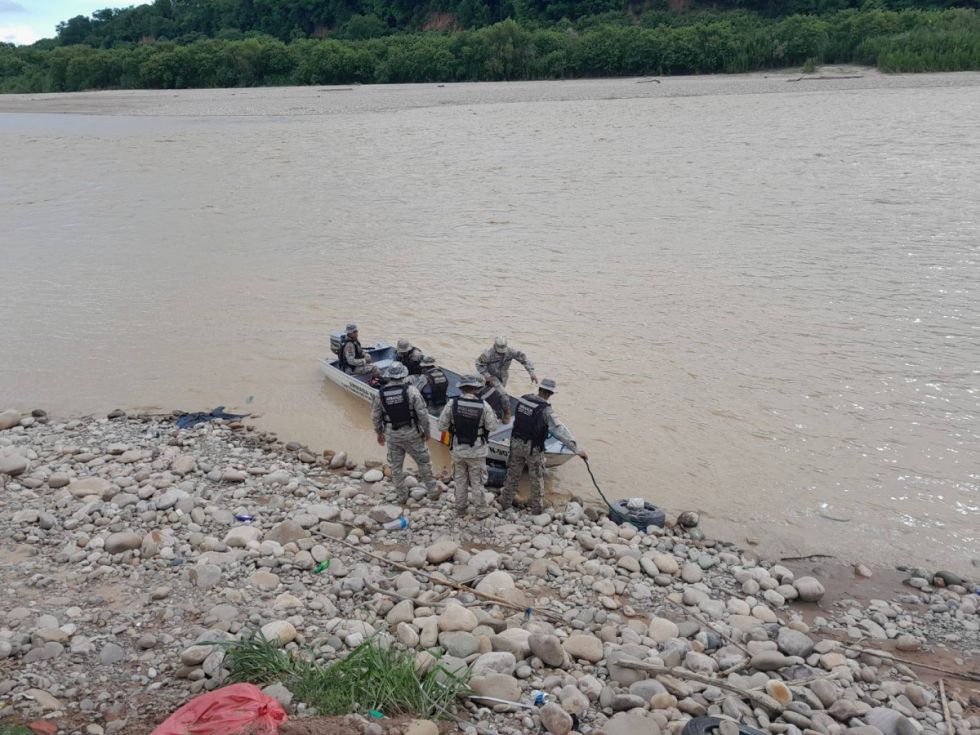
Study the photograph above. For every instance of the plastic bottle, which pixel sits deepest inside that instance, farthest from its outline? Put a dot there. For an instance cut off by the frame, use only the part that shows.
(396, 525)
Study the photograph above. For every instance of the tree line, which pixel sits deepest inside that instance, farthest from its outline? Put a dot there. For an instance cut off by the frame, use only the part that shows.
(903, 41)
(185, 21)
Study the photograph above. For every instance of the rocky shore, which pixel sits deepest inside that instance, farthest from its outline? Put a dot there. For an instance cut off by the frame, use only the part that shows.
(124, 559)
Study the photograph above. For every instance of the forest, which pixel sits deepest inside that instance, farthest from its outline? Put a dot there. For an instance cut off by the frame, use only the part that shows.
(231, 43)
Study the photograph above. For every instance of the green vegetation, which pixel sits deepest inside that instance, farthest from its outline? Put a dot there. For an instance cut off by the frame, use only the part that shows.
(7, 728)
(537, 40)
(371, 677)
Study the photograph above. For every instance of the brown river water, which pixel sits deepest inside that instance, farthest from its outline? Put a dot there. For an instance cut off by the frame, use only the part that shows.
(758, 295)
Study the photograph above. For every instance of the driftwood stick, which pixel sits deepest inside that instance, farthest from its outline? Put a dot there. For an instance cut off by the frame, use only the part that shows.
(448, 582)
(763, 700)
(946, 715)
(701, 620)
(968, 675)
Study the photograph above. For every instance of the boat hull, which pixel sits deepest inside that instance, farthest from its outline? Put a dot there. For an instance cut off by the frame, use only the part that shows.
(498, 444)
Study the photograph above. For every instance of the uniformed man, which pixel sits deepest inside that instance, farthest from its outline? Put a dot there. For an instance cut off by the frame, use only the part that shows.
(470, 421)
(534, 421)
(353, 359)
(494, 365)
(402, 422)
(410, 356)
(433, 383)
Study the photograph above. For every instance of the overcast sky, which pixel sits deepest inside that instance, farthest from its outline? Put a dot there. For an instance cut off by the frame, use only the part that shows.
(25, 21)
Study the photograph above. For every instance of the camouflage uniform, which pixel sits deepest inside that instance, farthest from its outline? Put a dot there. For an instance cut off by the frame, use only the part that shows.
(357, 365)
(406, 440)
(523, 453)
(469, 462)
(494, 364)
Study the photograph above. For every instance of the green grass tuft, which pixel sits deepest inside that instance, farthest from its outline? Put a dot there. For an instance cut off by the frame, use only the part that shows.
(371, 677)
(8, 729)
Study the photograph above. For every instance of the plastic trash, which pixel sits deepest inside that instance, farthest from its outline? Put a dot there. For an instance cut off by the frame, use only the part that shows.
(323, 565)
(244, 518)
(230, 710)
(635, 503)
(538, 697)
(396, 525)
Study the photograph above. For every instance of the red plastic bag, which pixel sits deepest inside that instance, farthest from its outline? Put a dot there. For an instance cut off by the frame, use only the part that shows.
(231, 710)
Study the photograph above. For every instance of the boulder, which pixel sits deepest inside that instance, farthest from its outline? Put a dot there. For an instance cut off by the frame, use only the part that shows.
(240, 536)
(556, 720)
(286, 532)
(495, 662)
(496, 583)
(457, 617)
(279, 632)
(547, 648)
(441, 551)
(12, 463)
(498, 686)
(117, 543)
(662, 630)
(584, 646)
(87, 486)
(794, 643)
(9, 418)
(809, 588)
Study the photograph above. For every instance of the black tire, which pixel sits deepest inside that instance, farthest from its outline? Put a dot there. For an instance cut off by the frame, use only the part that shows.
(709, 726)
(496, 474)
(650, 515)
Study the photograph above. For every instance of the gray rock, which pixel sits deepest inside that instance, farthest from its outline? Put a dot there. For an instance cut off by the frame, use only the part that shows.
(584, 646)
(111, 653)
(847, 709)
(205, 576)
(90, 486)
(548, 648)
(12, 463)
(692, 573)
(117, 543)
(499, 686)
(555, 720)
(769, 661)
(286, 532)
(496, 662)
(459, 643)
(890, 722)
(441, 551)
(9, 418)
(794, 643)
(809, 588)
(630, 723)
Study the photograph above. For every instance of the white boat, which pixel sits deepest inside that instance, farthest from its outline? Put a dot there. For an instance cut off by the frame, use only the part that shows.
(498, 443)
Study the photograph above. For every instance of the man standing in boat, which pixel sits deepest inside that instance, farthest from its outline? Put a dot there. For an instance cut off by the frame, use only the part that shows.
(433, 383)
(470, 421)
(534, 421)
(353, 359)
(401, 421)
(494, 365)
(409, 355)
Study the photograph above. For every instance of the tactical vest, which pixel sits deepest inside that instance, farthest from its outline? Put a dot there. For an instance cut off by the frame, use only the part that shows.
(438, 385)
(468, 421)
(396, 407)
(414, 364)
(358, 353)
(491, 395)
(530, 423)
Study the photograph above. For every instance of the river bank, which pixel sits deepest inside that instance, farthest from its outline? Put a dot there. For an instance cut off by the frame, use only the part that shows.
(123, 562)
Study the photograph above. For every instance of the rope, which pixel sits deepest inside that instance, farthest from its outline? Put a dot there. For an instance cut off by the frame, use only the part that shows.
(601, 494)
